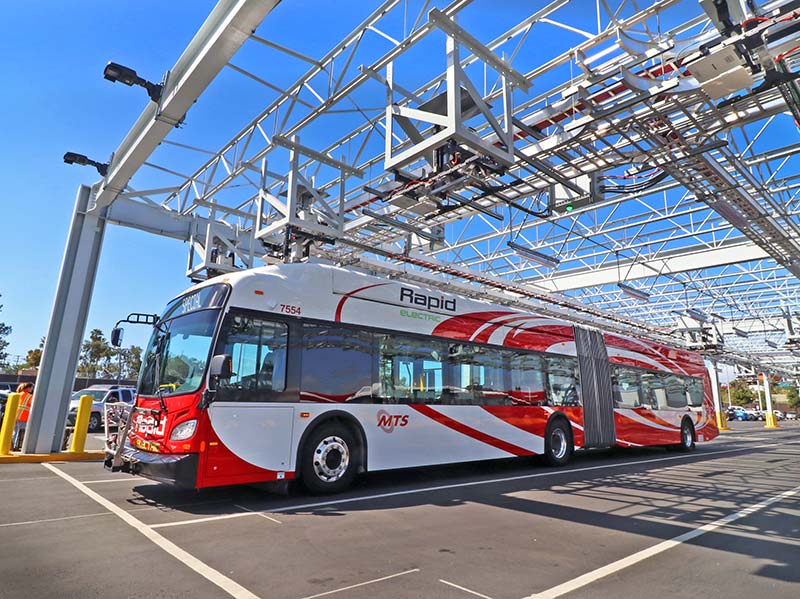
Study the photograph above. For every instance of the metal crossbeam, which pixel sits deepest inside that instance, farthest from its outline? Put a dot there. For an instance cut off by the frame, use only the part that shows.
(693, 196)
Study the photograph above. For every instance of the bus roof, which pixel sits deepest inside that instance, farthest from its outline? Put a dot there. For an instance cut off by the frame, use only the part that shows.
(330, 293)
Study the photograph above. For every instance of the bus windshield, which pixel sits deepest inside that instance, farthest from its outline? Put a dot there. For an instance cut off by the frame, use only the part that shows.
(177, 354)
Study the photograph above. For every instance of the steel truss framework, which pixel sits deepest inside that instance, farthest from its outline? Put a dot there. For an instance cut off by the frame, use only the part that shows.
(434, 134)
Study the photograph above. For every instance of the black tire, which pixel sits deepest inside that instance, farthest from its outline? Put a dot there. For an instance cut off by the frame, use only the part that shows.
(94, 422)
(687, 437)
(558, 445)
(329, 459)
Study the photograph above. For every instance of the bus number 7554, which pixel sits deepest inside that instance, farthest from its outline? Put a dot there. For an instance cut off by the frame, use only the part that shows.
(289, 309)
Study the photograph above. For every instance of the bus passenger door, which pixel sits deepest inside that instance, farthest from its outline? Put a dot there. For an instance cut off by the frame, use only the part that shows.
(596, 392)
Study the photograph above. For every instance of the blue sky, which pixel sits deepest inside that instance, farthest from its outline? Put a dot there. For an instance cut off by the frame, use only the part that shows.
(55, 99)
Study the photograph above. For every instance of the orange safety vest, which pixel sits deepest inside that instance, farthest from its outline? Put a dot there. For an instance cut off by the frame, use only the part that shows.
(24, 409)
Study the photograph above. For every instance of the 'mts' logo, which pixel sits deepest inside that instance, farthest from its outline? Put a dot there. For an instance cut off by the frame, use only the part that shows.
(387, 422)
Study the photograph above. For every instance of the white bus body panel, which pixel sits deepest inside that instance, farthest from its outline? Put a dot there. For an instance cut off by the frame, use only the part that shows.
(260, 434)
(263, 435)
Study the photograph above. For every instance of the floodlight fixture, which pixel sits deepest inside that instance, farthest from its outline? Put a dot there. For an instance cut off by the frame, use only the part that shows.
(630, 291)
(116, 72)
(739, 332)
(534, 256)
(771, 344)
(80, 159)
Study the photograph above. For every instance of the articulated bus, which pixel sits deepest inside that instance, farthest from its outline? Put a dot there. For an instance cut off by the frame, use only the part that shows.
(319, 373)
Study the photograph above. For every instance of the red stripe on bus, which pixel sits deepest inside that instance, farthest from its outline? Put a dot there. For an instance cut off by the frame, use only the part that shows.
(338, 317)
(469, 431)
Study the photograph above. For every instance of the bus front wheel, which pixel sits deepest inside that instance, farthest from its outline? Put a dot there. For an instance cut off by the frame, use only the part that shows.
(558, 443)
(329, 459)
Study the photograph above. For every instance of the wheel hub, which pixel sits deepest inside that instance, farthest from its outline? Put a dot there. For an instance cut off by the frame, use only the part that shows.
(687, 436)
(331, 458)
(558, 443)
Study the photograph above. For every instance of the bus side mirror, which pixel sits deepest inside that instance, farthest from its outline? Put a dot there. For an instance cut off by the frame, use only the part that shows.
(116, 336)
(221, 367)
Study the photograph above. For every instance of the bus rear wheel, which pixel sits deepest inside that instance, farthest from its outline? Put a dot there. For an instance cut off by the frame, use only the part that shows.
(329, 459)
(558, 443)
(687, 437)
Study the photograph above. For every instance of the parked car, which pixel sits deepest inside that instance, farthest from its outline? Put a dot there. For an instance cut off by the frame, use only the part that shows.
(3, 400)
(102, 395)
(752, 413)
(8, 387)
(791, 416)
(778, 415)
(737, 413)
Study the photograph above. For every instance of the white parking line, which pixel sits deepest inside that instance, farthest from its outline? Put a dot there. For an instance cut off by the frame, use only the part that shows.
(361, 584)
(138, 480)
(19, 480)
(233, 588)
(333, 502)
(626, 562)
(262, 514)
(465, 589)
(53, 519)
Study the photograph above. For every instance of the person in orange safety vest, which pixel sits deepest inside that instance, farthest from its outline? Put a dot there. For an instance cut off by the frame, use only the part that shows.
(23, 413)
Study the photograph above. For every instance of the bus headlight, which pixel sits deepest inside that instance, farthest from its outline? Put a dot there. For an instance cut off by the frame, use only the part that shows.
(184, 430)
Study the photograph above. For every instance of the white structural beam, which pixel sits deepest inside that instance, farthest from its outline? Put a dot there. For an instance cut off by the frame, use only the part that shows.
(158, 220)
(67, 323)
(228, 26)
(681, 261)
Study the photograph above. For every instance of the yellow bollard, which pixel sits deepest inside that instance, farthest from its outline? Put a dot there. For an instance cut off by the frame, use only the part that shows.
(722, 421)
(81, 424)
(770, 420)
(9, 420)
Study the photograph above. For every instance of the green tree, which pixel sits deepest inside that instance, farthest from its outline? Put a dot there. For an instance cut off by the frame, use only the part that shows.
(741, 394)
(793, 397)
(132, 361)
(130, 358)
(5, 331)
(34, 356)
(96, 356)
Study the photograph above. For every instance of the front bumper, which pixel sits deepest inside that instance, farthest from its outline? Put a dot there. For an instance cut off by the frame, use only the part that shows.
(179, 469)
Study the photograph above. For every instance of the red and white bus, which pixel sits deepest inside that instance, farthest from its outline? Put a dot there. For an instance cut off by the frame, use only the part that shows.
(316, 372)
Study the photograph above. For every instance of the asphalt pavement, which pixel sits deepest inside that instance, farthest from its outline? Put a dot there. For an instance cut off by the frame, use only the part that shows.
(723, 521)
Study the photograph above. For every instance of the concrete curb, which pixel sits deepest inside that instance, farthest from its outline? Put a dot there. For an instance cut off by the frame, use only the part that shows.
(35, 458)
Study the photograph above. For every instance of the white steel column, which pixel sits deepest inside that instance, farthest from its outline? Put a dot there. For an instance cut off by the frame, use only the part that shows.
(722, 421)
(770, 417)
(758, 392)
(67, 323)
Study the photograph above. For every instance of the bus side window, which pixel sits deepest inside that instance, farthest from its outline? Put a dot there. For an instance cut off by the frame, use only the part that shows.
(478, 376)
(336, 363)
(527, 379)
(654, 391)
(626, 387)
(695, 392)
(258, 352)
(562, 381)
(410, 370)
(675, 390)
